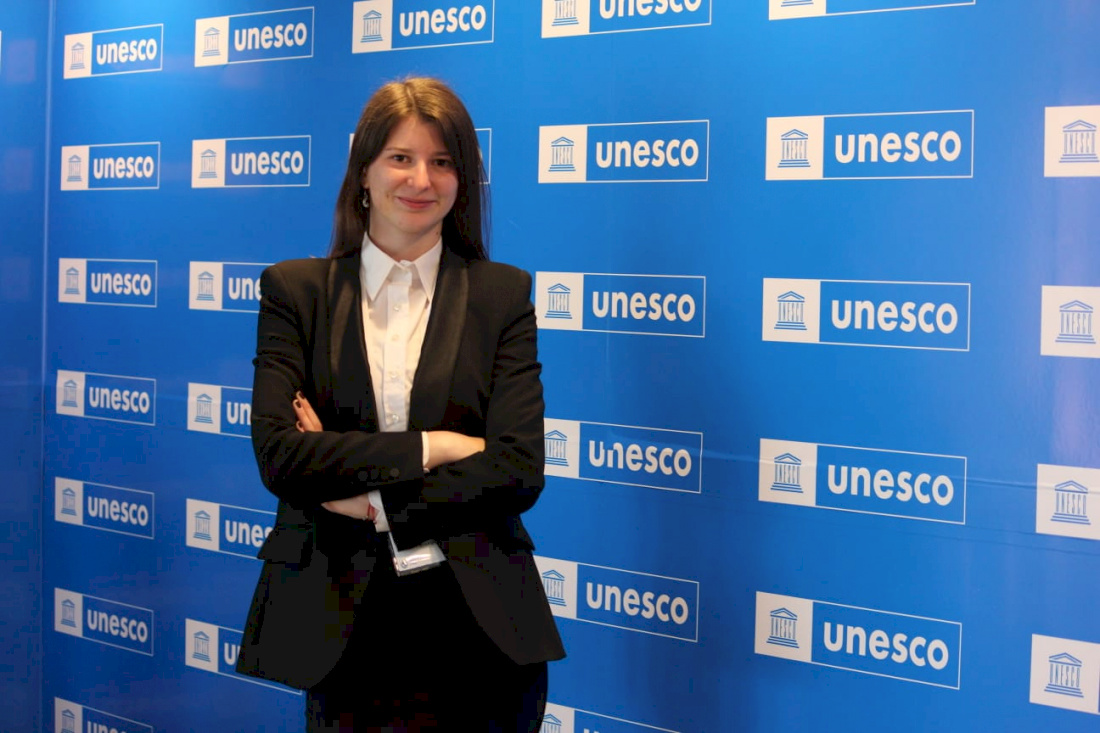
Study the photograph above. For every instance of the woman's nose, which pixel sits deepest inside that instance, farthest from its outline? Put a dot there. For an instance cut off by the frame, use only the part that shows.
(418, 176)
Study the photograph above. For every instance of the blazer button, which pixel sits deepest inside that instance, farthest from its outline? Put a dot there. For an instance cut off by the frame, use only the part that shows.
(394, 472)
(363, 475)
(374, 474)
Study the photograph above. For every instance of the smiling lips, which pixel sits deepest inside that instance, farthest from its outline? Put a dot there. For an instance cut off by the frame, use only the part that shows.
(416, 204)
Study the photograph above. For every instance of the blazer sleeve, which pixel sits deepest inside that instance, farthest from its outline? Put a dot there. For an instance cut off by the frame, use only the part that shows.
(306, 469)
(504, 480)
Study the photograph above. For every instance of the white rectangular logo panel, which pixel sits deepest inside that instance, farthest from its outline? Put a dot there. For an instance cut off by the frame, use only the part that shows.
(654, 458)
(131, 283)
(1067, 321)
(583, 17)
(273, 35)
(251, 162)
(900, 315)
(107, 622)
(869, 641)
(1065, 673)
(110, 167)
(71, 717)
(880, 145)
(376, 25)
(906, 484)
(649, 305)
(106, 397)
(624, 599)
(214, 408)
(116, 51)
(629, 152)
(231, 530)
(104, 507)
(225, 286)
(1067, 501)
(1069, 148)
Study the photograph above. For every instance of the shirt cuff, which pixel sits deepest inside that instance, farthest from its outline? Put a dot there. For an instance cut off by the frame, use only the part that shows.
(381, 524)
(425, 452)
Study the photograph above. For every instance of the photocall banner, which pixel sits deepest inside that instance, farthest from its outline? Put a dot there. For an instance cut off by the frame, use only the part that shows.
(815, 283)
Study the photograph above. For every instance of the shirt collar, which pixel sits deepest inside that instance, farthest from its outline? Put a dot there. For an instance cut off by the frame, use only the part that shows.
(375, 267)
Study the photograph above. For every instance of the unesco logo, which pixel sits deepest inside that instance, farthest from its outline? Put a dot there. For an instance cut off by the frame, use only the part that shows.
(1070, 146)
(881, 643)
(651, 305)
(231, 530)
(650, 604)
(1067, 501)
(268, 36)
(1065, 673)
(925, 486)
(901, 145)
(225, 286)
(213, 408)
(118, 167)
(107, 282)
(215, 649)
(376, 26)
(786, 9)
(107, 622)
(904, 315)
(1067, 327)
(117, 51)
(251, 162)
(71, 717)
(638, 152)
(109, 508)
(582, 17)
(106, 397)
(651, 458)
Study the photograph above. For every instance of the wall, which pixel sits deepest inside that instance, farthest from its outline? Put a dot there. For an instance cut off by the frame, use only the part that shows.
(24, 33)
(751, 177)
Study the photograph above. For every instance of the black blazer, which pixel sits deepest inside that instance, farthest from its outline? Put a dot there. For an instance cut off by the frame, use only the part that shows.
(478, 375)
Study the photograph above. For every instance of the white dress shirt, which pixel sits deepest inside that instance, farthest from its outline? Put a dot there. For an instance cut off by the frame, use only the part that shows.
(397, 300)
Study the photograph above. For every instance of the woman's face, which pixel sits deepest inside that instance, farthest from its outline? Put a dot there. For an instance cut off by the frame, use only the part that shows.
(413, 184)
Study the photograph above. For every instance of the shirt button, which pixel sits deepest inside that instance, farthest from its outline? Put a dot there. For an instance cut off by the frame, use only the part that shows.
(393, 374)
(394, 337)
(397, 308)
(393, 418)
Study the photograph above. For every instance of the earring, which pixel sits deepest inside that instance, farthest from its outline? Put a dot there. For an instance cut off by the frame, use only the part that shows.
(364, 199)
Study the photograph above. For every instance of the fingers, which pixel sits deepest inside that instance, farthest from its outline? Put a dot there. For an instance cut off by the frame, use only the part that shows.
(310, 414)
(307, 420)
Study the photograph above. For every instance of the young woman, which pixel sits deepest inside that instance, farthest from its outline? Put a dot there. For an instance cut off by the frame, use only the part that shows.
(398, 416)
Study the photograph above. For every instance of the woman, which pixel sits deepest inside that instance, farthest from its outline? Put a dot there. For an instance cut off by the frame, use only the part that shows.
(398, 416)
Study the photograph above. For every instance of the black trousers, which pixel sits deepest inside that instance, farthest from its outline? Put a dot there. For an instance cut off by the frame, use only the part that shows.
(419, 661)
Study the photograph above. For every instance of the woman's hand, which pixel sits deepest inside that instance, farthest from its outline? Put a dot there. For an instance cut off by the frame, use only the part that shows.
(356, 507)
(308, 422)
(445, 446)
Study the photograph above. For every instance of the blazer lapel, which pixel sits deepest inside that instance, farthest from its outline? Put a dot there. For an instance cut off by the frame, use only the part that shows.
(351, 383)
(432, 384)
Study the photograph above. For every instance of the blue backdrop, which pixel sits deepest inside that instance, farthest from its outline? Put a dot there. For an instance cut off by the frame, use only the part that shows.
(820, 451)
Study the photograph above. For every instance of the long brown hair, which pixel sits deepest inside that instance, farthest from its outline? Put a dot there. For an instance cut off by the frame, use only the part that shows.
(429, 100)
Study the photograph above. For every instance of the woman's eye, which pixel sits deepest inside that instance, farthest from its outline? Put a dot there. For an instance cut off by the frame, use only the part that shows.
(444, 163)
(400, 158)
